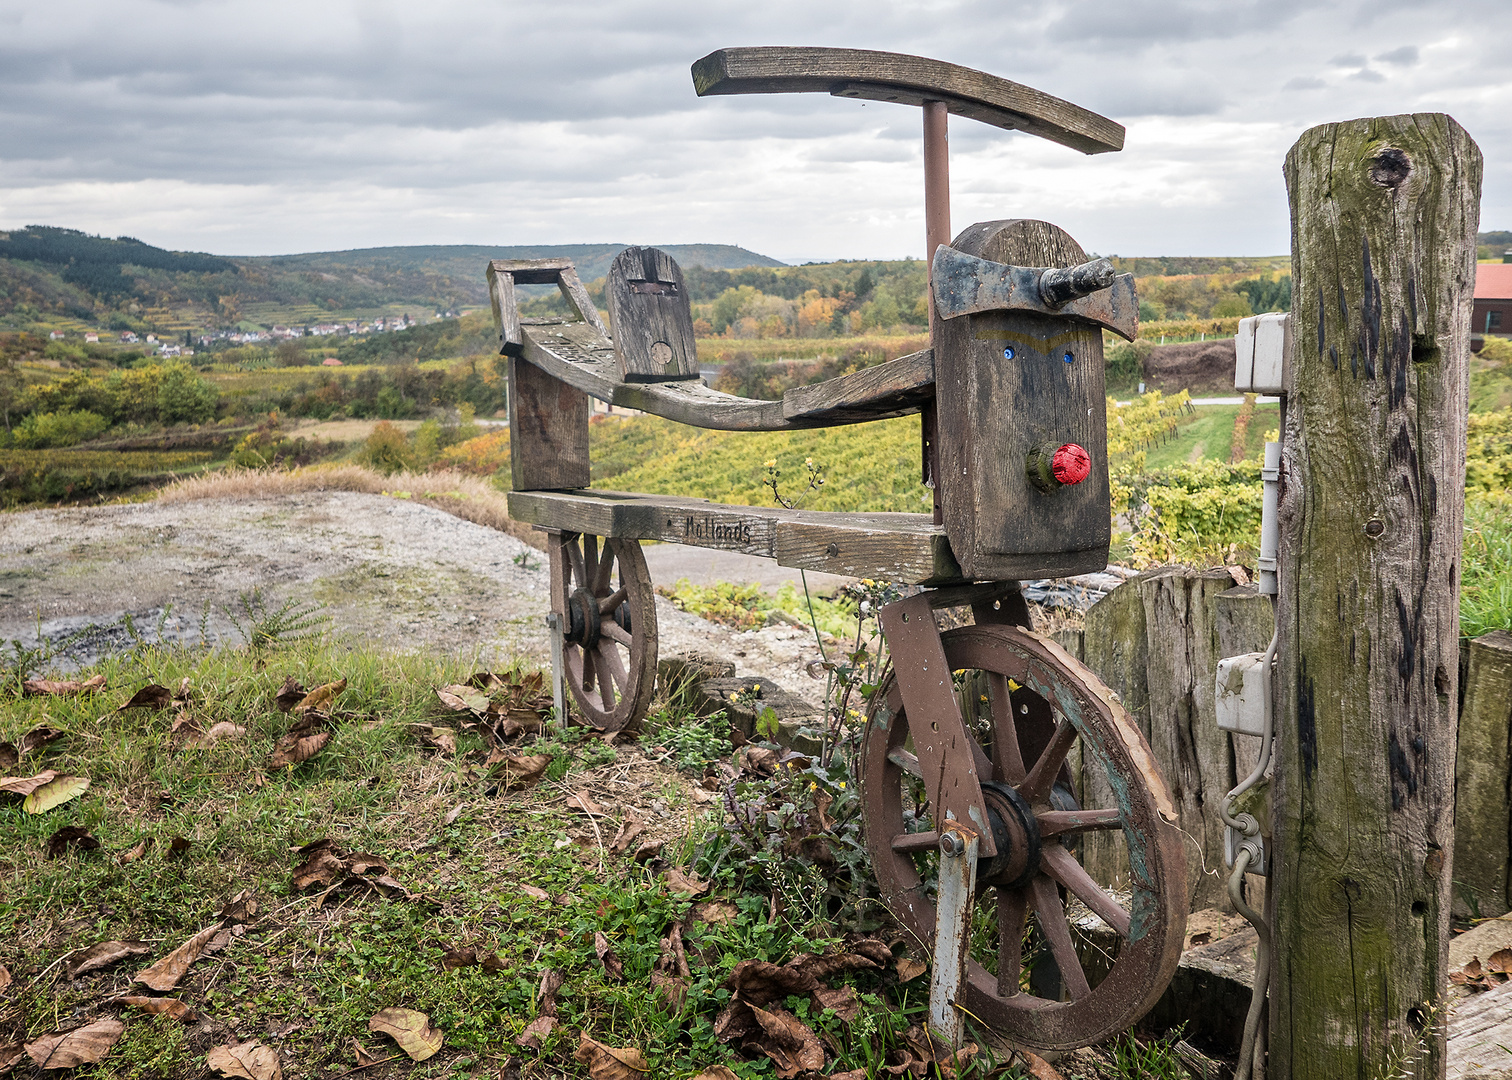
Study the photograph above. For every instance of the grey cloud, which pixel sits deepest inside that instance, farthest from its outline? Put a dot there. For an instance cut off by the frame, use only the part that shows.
(1368, 75)
(1348, 60)
(1304, 82)
(1405, 56)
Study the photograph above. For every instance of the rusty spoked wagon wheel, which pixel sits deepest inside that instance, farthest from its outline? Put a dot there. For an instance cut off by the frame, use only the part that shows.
(608, 611)
(1029, 705)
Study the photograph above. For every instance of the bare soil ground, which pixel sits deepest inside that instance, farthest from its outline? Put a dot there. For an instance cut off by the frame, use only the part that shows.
(389, 572)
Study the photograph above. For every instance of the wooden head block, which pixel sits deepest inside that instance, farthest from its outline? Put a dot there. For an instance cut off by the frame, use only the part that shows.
(1013, 388)
(651, 317)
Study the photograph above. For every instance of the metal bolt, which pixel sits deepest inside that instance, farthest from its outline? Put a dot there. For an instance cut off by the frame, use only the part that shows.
(952, 845)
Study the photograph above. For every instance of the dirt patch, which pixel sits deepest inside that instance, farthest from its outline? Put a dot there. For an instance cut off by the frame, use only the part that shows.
(1199, 366)
(346, 431)
(388, 572)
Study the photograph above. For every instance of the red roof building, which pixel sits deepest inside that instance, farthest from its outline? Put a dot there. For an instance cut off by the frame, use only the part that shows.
(1493, 302)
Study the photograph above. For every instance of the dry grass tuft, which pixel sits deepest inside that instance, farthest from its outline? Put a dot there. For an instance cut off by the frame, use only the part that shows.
(468, 497)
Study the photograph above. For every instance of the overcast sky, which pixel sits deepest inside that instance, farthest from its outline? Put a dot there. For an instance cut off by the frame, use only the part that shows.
(267, 127)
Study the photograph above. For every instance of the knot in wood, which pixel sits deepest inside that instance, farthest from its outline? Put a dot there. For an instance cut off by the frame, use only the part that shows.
(1390, 167)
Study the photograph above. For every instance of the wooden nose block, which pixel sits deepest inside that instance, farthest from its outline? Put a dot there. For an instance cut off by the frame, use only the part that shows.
(650, 317)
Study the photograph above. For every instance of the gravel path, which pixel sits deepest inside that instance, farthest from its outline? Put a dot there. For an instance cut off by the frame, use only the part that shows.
(388, 572)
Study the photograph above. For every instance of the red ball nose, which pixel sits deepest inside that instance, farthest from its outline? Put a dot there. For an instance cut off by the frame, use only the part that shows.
(1070, 464)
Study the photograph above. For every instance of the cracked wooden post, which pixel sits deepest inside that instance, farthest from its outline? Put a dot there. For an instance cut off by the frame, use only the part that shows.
(1384, 214)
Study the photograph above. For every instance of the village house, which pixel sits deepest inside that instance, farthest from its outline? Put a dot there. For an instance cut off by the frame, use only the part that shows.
(1493, 302)
(91, 338)
(56, 335)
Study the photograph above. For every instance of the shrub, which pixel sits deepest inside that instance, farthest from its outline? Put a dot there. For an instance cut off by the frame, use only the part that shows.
(387, 449)
(50, 429)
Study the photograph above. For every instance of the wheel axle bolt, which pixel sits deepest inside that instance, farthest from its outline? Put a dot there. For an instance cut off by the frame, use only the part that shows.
(952, 845)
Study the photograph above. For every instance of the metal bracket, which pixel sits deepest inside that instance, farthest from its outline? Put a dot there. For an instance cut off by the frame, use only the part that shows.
(558, 683)
(964, 285)
(959, 848)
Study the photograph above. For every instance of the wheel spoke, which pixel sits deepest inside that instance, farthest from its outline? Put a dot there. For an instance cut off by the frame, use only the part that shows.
(608, 604)
(609, 652)
(590, 672)
(1012, 910)
(605, 683)
(614, 632)
(572, 656)
(590, 560)
(1065, 822)
(1007, 758)
(1063, 867)
(909, 763)
(605, 572)
(910, 842)
(574, 549)
(1036, 786)
(1057, 930)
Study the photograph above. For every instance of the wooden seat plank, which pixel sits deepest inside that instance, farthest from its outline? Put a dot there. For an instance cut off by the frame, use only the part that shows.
(908, 80)
(898, 547)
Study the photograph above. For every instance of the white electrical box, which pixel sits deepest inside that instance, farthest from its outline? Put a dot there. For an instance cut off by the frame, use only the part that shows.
(1240, 696)
(1262, 353)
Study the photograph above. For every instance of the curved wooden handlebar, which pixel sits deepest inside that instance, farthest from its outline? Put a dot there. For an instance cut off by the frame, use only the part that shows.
(908, 80)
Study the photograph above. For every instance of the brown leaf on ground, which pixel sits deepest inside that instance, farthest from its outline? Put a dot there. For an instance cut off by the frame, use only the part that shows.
(537, 1032)
(935, 1051)
(320, 697)
(217, 733)
(240, 908)
(651, 849)
(612, 1062)
(910, 969)
(412, 1030)
(759, 761)
(176, 848)
(1039, 1068)
(460, 698)
(64, 688)
(245, 1061)
(452, 959)
(629, 832)
(136, 850)
(151, 696)
(38, 738)
(10, 1053)
(608, 957)
(292, 694)
(493, 963)
(793, 1048)
(160, 1006)
(322, 866)
(535, 893)
(5, 978)
(583, 802)
(672, 990)
(546, 992)
(103, 955)
(75, 836)
(365, 1057)
(455, 812)
(166, 973)
(300, 743)
(849, 1074)
(25, 785)
(712, 913)
(719, 1072)
(362, 863)
(9, 755)
(762, 982)
(1500, 961)
(54, 793)
(81, 1046)
(224, 937)
(842, 999)
(678, 881)
(443, 739)
(517, 769)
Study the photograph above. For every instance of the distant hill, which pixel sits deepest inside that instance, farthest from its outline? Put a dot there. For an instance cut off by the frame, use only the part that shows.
(72, 279)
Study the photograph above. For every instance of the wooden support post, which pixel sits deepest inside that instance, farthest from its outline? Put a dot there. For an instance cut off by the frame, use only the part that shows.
(1384, 214)
(1482, 809)
(548, 431)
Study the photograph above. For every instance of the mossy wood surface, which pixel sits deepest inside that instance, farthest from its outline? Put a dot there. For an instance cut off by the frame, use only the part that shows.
(1384, 213)
(1483, 804)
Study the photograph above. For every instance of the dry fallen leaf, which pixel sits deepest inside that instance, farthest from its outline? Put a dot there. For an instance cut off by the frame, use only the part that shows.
(463, 699)
(719, 1072)
(518, 769)
(614, 1062)
(292, 694)
(302, 742)
(608, 957)
(55, 793)
(239, 909)
(177, 846)
(246, 1061)
(64, 688)
(678, 881)
(166, 973)
(37, 738)
(412, 1030)
(75, 836)
(1039, 1068)
(455, 812)
(785, 1039)
(25, 785)
(493, 963)
(629, 831)
(164, 1006)
(136, 851)
(365, 1057)
(580, 800)
(910, 969)
(712, 913)
(1500, 961)
(10, 1053)
(452, 959)
(323, 865)
(151, 696)
(439, 738)
(218, 732)
(536, 1032)
(81, 1046)
(651, 849)
(103, 955)
(535, 893)
(320, 697)
(9, 755)
(5, 981)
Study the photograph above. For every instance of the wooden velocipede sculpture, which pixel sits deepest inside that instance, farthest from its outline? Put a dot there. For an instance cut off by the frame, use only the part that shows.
(969, 799)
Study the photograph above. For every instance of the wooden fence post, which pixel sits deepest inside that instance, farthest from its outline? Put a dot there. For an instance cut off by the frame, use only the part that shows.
(1483, 809)
(1384, 214)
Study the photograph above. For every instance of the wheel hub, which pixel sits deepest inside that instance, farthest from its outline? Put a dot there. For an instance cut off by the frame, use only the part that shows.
(582, 619)
(1016, 834)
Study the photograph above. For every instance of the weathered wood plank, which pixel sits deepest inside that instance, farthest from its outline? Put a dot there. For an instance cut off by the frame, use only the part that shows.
(652, 317)
(1384, 215)
(548, 430)
(506, 310)
(901, 384)
(898, 547)
(1003, 382)
(908, 80)
(1482, 810)
(1480, 1036)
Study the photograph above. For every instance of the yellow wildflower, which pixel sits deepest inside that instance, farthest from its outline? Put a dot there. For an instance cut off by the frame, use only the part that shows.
(771, 463)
